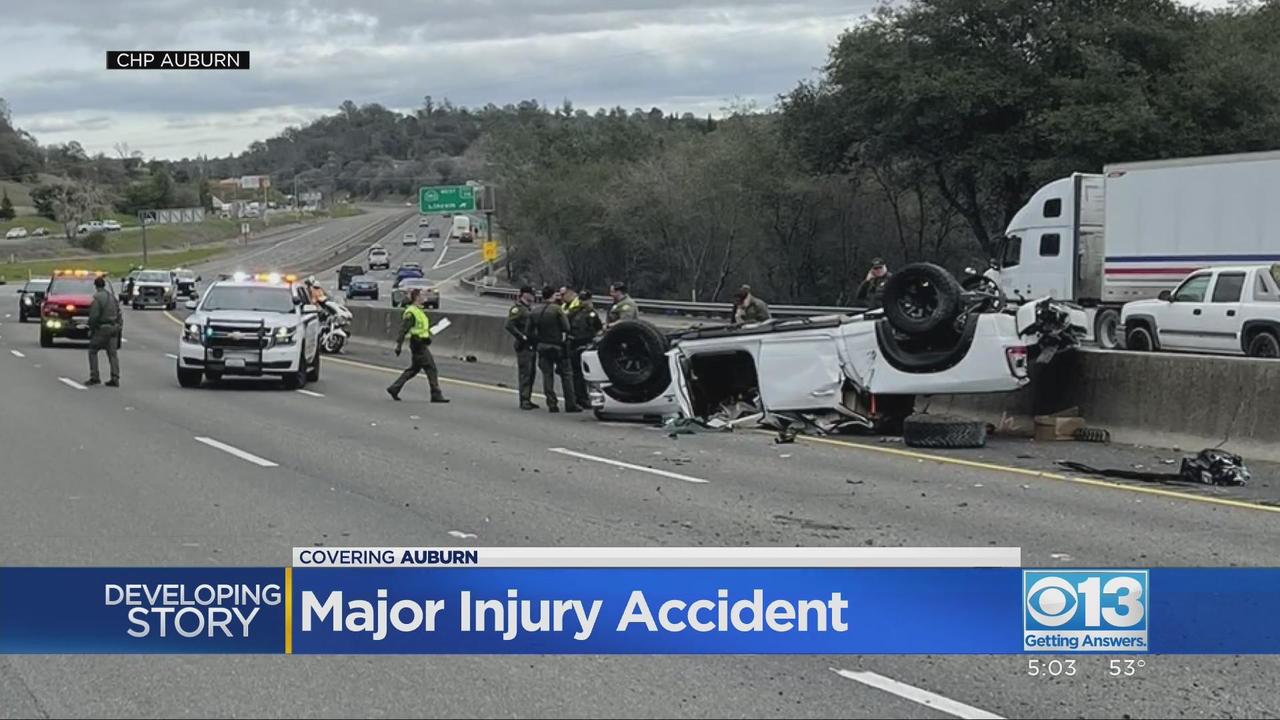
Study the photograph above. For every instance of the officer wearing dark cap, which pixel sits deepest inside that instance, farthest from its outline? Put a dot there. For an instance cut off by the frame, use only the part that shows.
(551, 326)
(106, 325)
(871, 291)
(520, 326)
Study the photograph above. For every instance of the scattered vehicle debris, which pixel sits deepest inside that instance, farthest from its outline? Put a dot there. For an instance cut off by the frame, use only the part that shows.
(1094, 434)
(1210, 466)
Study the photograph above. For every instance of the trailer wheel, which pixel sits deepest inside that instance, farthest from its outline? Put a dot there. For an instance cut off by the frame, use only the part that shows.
(1106, 328)
(943, 431)
(921, 298)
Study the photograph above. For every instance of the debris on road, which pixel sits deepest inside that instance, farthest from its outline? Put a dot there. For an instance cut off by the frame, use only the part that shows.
(1210, 466)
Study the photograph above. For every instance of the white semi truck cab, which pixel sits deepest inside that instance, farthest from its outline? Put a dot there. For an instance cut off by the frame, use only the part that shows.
(1138, 229)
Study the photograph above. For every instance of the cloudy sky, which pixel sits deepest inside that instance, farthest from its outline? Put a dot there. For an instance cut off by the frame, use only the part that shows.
(310, 55)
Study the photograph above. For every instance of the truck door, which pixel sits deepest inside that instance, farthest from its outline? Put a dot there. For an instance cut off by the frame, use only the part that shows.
(1038, 263)
(1222, 319)
(1182, 323)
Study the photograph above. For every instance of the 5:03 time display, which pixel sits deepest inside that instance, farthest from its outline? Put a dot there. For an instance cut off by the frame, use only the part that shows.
(1051, 668)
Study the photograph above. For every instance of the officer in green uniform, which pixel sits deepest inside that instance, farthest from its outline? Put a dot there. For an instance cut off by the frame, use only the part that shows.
(106, 325)
(748, 308)
(519, 325)
(623, 308)
(584, 325)
(417, 326)
(551, 326)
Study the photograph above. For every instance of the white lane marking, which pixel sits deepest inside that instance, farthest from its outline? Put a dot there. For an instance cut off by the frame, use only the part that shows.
(72, 383)
(460, 258)
(461, 535)
(171, 356)
(916, 695)
(444, 250)
(460, 273)
(124, 340)
(628, 466)
(250, 457)
(16, 353)
(311, 394)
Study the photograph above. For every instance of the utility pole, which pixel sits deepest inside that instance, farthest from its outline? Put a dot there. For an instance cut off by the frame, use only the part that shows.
(142, 218)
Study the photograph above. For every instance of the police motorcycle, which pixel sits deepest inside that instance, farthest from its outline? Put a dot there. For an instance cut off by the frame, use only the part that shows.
(334, 321)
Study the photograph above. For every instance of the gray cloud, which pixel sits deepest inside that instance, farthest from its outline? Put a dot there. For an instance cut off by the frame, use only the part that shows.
(65, 124)
(310, 55)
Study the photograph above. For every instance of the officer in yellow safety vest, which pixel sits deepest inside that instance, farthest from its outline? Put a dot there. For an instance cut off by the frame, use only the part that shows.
(417, 326)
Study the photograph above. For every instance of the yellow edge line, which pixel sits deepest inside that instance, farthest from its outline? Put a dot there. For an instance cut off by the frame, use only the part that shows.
(288, 611)
(1226, 502)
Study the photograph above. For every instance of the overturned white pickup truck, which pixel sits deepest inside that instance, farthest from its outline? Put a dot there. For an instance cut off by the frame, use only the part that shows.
(834, 372)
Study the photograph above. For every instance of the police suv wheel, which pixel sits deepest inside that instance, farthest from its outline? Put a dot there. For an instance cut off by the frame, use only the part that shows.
(46, 338)
(188, 378)
(313, 374)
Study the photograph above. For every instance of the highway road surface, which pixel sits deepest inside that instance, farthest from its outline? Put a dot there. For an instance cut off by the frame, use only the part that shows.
(105, 476)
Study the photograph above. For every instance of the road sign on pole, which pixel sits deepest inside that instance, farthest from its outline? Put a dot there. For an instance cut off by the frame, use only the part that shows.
(490, 251)
(446, 199)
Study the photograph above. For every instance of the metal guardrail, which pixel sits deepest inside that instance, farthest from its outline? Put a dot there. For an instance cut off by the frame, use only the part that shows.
(674, 307)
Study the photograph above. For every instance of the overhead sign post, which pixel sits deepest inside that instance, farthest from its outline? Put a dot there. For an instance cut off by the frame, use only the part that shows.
(446, 199)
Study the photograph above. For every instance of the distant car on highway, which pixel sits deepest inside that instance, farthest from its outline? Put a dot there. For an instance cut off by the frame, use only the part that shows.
(407, 270)
(433, 232)
(426, 244)
(379, 259)
(16, 233)
(346, 272)
(400, 295)
(30, 297)
(409, 239)
(362, 286)
(251, 326)
(65, 310)
(1222, 310)
(155, 287)
(424, 221)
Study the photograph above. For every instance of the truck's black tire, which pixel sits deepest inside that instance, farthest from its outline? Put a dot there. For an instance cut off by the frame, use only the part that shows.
(921, 298)
(1107, 331)
(633, 353)
(943, 431)
(1139, 339)
(1264, 344)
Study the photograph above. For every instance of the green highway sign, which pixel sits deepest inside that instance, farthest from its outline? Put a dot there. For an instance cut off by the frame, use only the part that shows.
(446, 198)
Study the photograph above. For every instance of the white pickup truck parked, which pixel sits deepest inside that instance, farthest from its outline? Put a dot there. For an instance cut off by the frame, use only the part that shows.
(1232, 310)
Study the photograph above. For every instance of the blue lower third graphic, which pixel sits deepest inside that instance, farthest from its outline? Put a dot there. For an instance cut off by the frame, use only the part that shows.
(142, 610)
(655, 610)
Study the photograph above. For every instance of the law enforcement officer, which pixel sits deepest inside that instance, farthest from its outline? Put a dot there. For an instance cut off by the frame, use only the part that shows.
(871, 291)
(623, 308)
(551, 326)
(106, 325)
(417, 326)
(748, 308)
(584, 325)
(520, 326)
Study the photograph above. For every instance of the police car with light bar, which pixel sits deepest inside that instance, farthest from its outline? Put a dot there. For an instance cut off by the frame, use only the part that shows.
(259, 325)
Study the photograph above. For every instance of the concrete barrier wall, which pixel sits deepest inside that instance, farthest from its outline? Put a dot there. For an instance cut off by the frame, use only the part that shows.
(480, 335)
(1164, 400)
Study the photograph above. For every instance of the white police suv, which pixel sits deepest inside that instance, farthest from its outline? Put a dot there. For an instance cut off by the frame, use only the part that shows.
(254, 326)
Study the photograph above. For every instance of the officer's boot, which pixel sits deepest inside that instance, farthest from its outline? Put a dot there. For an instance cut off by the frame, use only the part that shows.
(438, 397)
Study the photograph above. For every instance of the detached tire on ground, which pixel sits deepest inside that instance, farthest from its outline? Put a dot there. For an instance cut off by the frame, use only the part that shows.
(943, 431)
(921, 298)
(633, 357)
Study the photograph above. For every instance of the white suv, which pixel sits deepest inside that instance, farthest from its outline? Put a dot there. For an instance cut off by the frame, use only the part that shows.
(254, 327)
(1227, 310)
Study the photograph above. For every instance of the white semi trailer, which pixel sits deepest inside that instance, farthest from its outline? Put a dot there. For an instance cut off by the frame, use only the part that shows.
(1139, 228)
